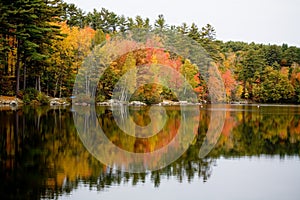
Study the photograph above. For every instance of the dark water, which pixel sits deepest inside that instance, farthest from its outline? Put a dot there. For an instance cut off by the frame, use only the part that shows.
(256, 157)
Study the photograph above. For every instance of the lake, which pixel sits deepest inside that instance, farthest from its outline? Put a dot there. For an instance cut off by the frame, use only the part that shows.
(255, 156)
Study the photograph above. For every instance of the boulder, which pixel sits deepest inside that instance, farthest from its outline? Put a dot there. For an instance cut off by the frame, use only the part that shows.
(137, 103)
(58, 102)
(8, 100)
(85, 104)
(176, 103)
(103, 103)
(54, 103)
(166, 103)
(183, 102)
(13, 103)
(81, 104)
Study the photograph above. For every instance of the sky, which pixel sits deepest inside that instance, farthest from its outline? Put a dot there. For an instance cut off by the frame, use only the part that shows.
(259, 21)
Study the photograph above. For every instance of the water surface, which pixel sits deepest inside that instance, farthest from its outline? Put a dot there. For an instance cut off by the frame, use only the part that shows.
(256, 157)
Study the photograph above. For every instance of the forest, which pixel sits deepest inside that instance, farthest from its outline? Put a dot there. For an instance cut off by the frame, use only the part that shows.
(43, 44)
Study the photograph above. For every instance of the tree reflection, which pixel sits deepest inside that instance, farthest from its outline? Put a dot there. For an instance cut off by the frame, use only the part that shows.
(41, 154)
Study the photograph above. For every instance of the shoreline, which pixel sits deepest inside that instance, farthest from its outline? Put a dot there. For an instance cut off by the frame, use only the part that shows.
(13, 102)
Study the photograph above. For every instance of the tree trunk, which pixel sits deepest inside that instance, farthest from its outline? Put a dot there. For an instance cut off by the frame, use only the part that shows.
(39, 83)
(17, 72)
(87, 86)
(6, 57)
(60, 88)
(47, 86)
(184, 91)
(24, 76)
(55, 88)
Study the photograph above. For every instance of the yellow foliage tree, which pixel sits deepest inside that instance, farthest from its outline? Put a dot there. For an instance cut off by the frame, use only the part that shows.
(68, 55)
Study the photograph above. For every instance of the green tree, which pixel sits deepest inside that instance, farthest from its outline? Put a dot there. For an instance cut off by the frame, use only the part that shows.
(183, 29)
(274, 87)
(208, 32)
(123, 24)
(297, 91)
(73, 15)
(232, 46)
(207, 40)
(94, 19)
(194, 32)
(291, 55)
(189, 72)
(99, 38)
(272, 54)
(29, 24)
(160, 23)
(110, 21)
(251, 62)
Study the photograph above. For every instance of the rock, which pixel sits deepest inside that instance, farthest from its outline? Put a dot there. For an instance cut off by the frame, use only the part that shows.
(13, 103)
(176, 103)
(58, 102)
(113, 101)
(137, 103)
(204, 101)
(65, 103)
(166, 103)
(53, 103)
(103, 103)
(116, 102)
(85, 104)
(81, 104)
(9, 100)
(183, 102)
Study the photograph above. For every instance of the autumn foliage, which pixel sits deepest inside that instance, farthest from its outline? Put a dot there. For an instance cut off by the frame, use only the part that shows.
(44, 51)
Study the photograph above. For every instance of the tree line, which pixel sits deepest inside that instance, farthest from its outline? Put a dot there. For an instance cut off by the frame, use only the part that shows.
(44, 42)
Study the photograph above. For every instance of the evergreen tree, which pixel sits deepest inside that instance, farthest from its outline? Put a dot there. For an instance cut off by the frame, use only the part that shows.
(194, 32)
(28, 23)
(251, 62)
(160, 23)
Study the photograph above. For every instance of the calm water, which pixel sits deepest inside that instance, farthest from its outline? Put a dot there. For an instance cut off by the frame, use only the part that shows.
(256, 157)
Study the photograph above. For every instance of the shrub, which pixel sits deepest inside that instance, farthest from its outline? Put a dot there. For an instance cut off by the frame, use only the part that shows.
(42, 98)
(31, 93)
(82, 98)
(100, 98)
(26, 99)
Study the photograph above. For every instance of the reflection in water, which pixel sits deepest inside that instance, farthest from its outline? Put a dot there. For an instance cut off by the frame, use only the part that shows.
(132, 154)
(41, 154)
